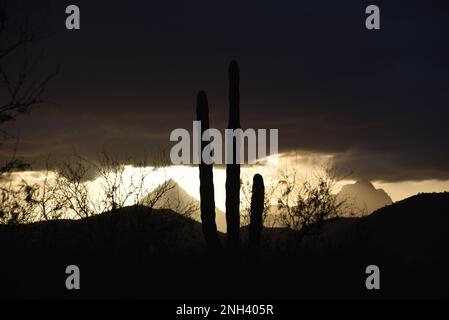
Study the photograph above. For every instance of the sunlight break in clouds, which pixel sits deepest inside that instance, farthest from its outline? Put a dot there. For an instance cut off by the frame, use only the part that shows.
(306, 166)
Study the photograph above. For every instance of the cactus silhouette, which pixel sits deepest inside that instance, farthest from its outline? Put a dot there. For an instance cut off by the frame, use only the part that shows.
(257, 205)
(233, 170)
(207, 203)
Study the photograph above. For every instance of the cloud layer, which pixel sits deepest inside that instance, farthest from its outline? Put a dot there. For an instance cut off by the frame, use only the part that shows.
(378, 101)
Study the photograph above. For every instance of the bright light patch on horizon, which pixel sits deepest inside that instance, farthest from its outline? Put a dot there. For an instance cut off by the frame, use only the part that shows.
(187, 177)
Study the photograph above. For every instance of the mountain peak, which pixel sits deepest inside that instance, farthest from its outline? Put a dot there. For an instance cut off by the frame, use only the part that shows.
(365, 184)
(363, 197)
(177, 199)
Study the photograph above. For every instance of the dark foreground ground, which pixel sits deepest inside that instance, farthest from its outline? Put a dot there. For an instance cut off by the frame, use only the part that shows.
(138, 253)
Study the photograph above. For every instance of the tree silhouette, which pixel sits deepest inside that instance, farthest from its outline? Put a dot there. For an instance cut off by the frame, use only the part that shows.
(22, 82)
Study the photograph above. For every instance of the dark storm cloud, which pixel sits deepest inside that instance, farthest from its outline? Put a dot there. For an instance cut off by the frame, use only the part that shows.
(378, 100)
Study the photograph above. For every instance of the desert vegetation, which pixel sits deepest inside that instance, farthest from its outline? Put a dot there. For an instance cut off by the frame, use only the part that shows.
(80, 188)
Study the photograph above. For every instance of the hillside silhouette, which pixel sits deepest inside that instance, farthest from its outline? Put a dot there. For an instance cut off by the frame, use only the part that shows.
(140, 253)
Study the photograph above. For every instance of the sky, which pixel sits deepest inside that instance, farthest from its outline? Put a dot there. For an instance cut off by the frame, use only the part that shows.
(376, 102)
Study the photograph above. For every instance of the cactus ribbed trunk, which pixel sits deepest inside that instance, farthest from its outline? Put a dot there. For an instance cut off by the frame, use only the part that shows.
(207, 202)
(233, 170)
(257, 204)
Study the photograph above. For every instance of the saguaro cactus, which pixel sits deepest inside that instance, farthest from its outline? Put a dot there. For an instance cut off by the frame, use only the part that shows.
(207, 202)
(257, 206)
(233, 170)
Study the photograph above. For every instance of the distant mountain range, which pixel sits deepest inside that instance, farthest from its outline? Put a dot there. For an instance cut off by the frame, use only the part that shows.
(361, 198)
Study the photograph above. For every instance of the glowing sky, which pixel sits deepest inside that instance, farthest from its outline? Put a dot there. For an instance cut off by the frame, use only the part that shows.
(306, 166)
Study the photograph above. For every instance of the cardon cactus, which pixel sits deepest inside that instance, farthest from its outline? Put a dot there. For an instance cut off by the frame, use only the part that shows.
(233, 170)
(257, 206)
(207, 203)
